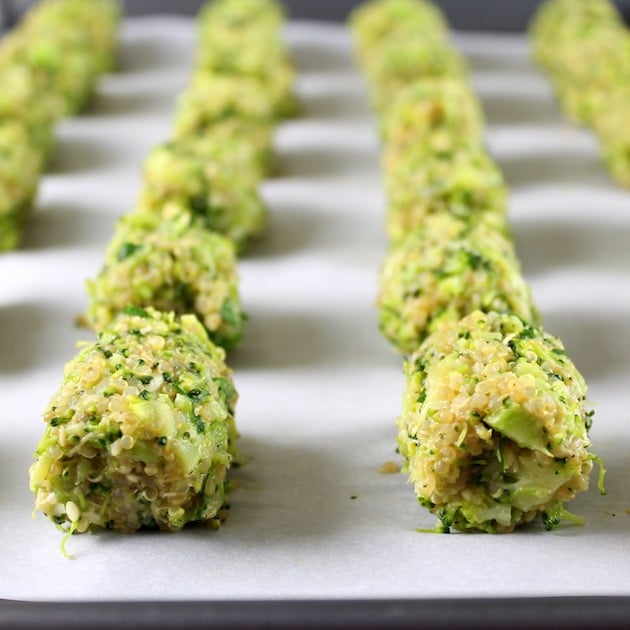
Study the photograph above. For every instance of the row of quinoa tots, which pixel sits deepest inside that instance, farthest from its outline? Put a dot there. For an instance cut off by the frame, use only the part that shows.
(584, 47)
(49, 66)
(142, 432)
(494, 425)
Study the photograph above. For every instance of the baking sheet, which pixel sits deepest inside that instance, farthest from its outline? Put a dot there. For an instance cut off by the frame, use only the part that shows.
(319, 388)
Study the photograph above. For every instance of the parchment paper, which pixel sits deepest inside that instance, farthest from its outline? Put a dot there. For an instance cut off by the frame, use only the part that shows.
(319, 388)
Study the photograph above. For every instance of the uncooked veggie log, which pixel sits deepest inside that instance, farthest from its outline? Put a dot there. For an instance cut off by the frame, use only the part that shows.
(494, 427)
(444, 271)
(262, 16)
(216, 191)
(400, 63)
(583, 46)
(377, 22)
(213, 97)
(67, 44)
(234, 42)
(90, 25)
(20, 168)
(172, 266)
(141, 432)
(462, 181)
(436, 114)
(21, 102)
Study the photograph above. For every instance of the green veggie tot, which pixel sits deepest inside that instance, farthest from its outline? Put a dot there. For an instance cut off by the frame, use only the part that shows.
(172, 266)
(214, 189)
(462, 181)
(436, 113)
(141, 432)
(494, 426)
(444, 271)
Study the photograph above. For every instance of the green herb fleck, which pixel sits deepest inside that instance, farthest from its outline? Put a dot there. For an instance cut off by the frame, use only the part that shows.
(135, 311)
(199, 424)
(126, 250)
(197, 394)
(226, 388)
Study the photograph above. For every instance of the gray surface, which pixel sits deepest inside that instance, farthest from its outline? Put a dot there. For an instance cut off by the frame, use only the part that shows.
(503, 15)
(475, 14)
(566, 613)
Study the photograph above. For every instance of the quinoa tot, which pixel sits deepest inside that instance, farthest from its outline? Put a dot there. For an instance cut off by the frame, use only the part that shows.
(437, 113)
(212, 98)
(264, 59)
(399, 63)
(262, 15)
(218, 194)
(141, 432)
(494, 429)
(172, 266)
(462, 181)
(20, 169)
(444, 271)
(378, 21)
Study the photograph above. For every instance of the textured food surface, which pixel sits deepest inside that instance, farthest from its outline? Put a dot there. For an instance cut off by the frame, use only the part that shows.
(433, 276)
(494, 426)
(172, 266)
(141, 432)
